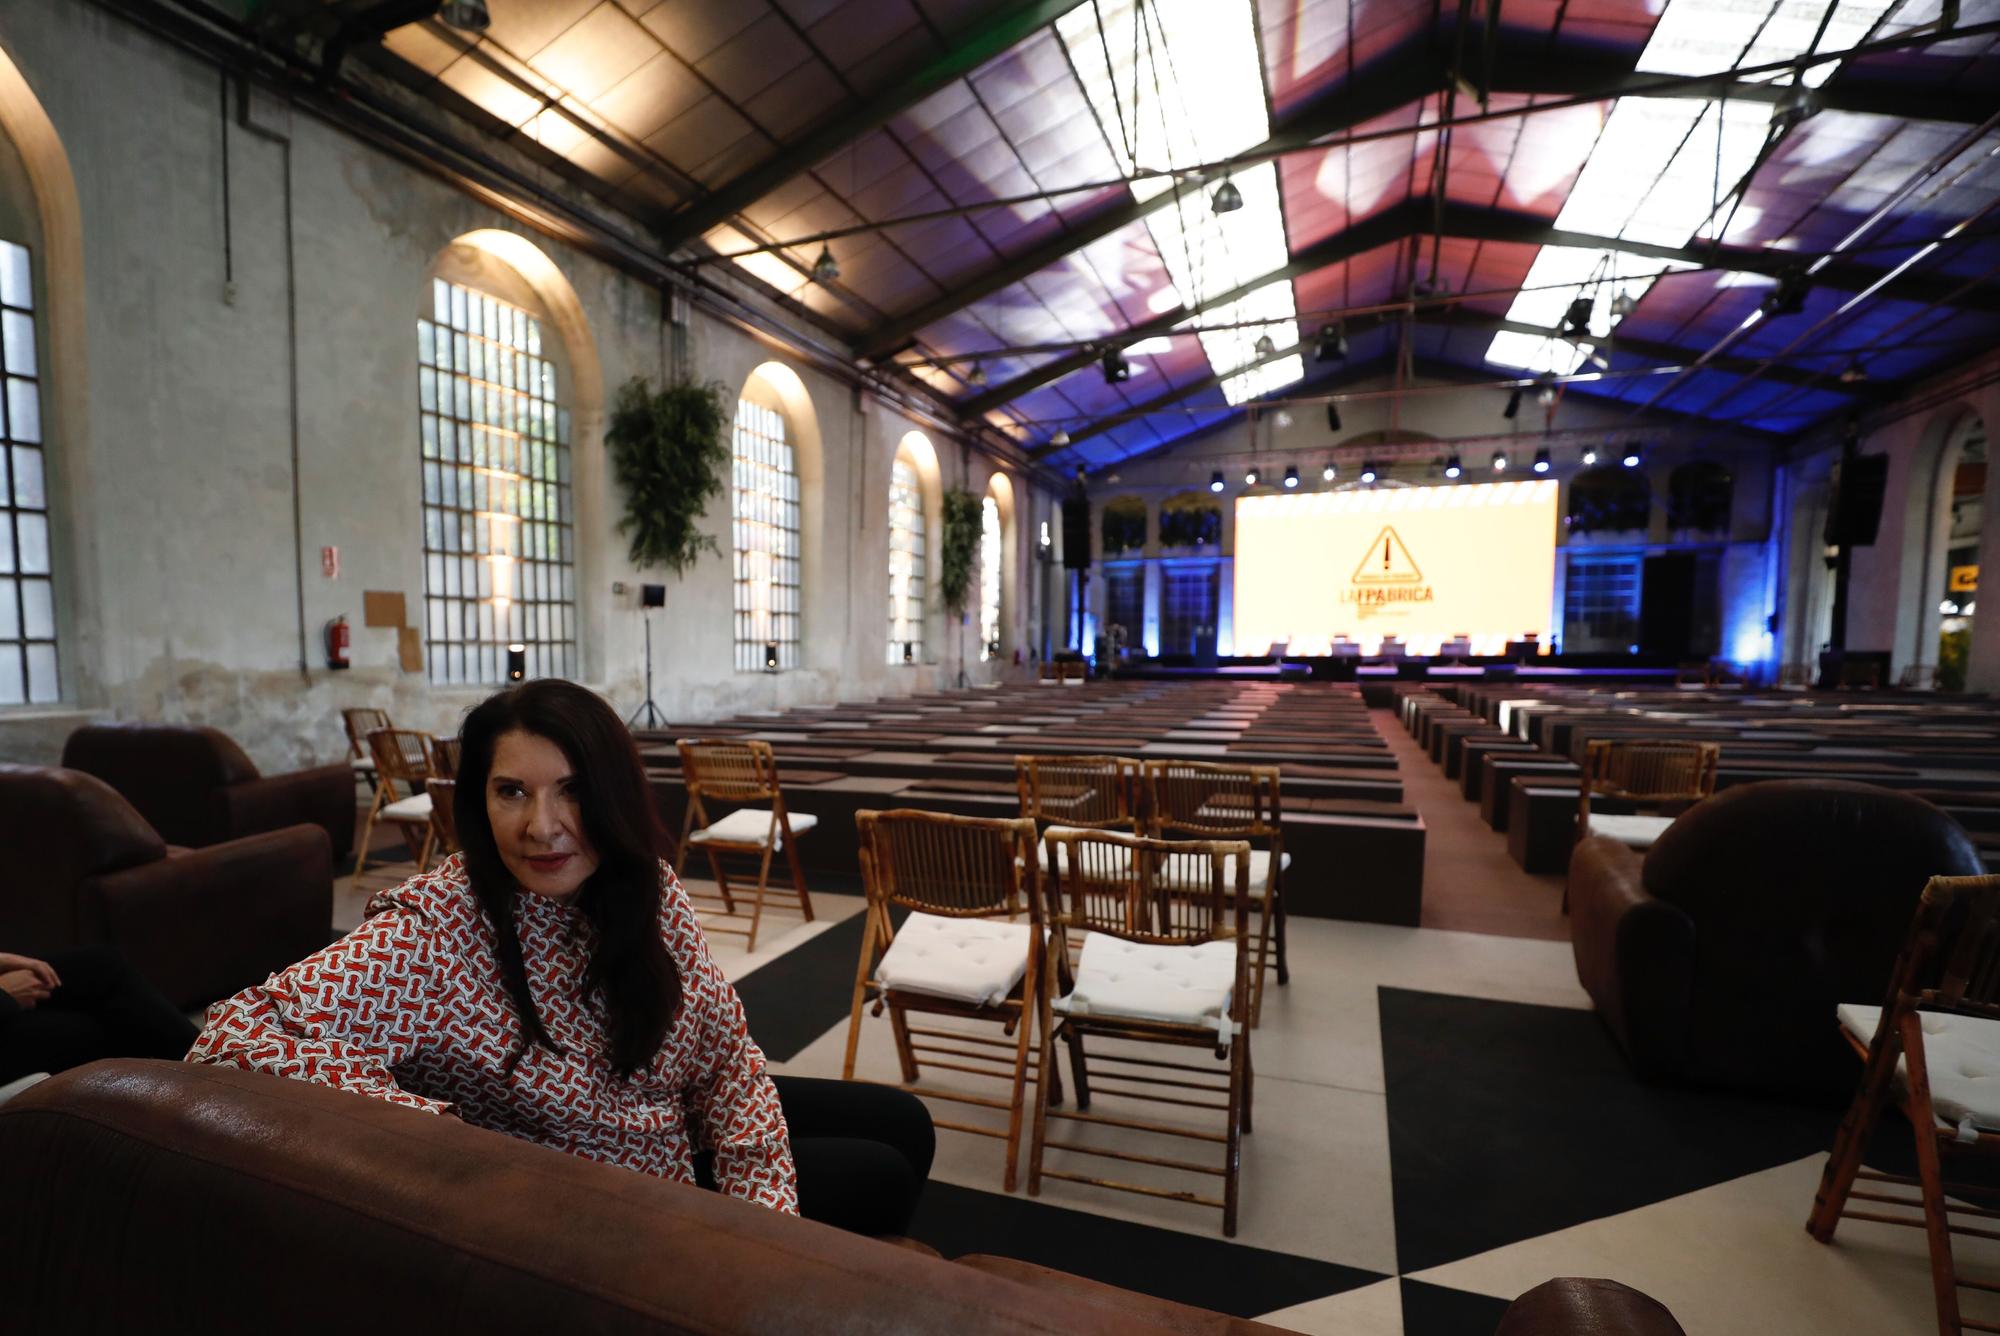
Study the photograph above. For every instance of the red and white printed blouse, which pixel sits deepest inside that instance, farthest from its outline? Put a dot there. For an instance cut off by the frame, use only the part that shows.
(410, 1008)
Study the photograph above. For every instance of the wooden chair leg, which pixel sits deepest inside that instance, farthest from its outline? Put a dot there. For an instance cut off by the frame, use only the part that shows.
(1284, 963)
(1857, 1127)
(367, 832)
(1044, 1072)
(1078, 1073)
(1031, 989)
(721, 880)
(860, 996)
(1930, 1178)
(899, 1026)
(1249, 1082)
(799, 878)
(757, 906)
(1233, 1162)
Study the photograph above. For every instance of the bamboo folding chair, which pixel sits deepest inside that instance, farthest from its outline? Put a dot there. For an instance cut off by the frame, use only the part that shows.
(1794, 676)
(399, 760)
(443, 839)
(738, 771)
(1164, 960)
(360, 721)
(1063, 793)
(441, 755)
(962, 952)
(1646, 772)
(1941, 1017)
(1208, 800)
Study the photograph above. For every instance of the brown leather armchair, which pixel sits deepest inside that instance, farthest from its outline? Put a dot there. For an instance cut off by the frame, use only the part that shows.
(199, 924)
(1718, 957)
(277, 1203)
(196, 787)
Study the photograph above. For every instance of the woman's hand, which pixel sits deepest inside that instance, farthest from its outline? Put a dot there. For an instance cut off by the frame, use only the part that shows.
(41, 969)
(25, 987)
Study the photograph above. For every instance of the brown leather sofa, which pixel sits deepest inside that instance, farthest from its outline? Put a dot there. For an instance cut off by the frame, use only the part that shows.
(165, 1197)
(84, 868)
(1718, 957)
(196, 787)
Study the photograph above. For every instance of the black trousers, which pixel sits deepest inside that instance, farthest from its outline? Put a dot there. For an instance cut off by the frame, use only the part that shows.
(103, 1010)
(862, 1152)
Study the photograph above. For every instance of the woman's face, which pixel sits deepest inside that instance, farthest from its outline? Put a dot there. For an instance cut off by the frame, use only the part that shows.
(532, 805)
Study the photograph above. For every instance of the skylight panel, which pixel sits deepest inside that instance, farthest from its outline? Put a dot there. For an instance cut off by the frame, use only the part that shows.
(1662, 168)
(1174, 83)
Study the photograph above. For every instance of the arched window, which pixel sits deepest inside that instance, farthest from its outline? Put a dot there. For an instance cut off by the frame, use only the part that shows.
(1122, 526)
(27, 590)
(1609, 499)
(765, 506)
(906, 563)
(989, 579)
(1699, 496)
(1191, 522)
(499, 548)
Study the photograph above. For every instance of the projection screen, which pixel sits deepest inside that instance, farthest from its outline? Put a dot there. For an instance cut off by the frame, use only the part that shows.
(1422, 564)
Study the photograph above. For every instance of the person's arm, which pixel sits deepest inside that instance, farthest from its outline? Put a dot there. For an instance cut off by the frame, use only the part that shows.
(341, 1017)
(732, 1098)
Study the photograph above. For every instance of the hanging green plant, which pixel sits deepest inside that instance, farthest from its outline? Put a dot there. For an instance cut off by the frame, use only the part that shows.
(670, 452)
(961, 545)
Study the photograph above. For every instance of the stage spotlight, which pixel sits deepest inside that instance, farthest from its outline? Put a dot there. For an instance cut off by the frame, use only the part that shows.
(1499, 461)
(1542, 460)
(825, 269)
(1577, 319)
(1589, 455)
(1789, 297)
(1452, 468)
(1226, 199)
(1368, 470)
(465, 15)
(1631, 457)
(1333, 417)
(1332, 345)
(1623, 305)
(1291, 475)
(1250, 476)
(1513, 408)
(1545, 389)
(1215, 481)
(1116, 368)
(1329, 473)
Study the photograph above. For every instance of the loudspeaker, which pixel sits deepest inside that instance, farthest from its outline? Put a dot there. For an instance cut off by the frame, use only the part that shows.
(1857, 507)
(1076, 534)
(1666, 606)
(652, 596)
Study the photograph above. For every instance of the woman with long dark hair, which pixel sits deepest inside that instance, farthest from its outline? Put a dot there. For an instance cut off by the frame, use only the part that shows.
(551, 982)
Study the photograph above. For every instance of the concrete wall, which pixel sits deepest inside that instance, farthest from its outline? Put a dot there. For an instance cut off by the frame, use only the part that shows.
(201, 402)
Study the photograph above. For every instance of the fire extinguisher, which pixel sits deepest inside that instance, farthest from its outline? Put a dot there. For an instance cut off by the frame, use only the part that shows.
(336, 642)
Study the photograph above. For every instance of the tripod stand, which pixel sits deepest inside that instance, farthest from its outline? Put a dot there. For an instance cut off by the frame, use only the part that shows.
(651, 713)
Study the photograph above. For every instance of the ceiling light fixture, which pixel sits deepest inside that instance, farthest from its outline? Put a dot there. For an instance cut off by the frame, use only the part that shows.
(1368, 470)
(1789, 297)
(1329, 473)
(1226, 199)
(1623, 304)
(1499, 461)
(1215, 481)
(1250, 476)
(1545, 389)
(1452, 467)
(1589, 455)
(1281, 418)
(1631, 460)
(1059, 440)
(1577, 319)
(977, 376)
(1332, 345)
(465, 15)
(1116, 369)
(1854, 373)
(1291, 475)
(1542, 460)
(825, 269)
(1264, 346)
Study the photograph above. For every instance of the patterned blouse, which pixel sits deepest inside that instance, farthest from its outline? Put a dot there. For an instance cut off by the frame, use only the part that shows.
(410, 1008)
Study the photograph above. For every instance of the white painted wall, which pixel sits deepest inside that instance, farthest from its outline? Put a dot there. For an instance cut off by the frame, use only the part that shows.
(177, 542)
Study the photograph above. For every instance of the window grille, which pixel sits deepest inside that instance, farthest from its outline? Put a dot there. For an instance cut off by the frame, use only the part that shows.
(27, 589)
(765, 506)
(989, 579)
(906, 565)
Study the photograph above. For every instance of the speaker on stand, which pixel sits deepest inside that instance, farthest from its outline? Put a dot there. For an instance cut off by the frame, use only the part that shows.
(1076, 561)
(649, 715)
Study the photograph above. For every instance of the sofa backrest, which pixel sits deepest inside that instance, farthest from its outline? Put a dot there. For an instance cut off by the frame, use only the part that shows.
(1801, 891)
(172, 773)
(59, 827)
(326, 1204)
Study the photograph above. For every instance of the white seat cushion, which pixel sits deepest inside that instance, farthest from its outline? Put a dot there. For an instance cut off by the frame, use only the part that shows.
(1260, 870)
(975, 961)
(1634, 832)
(1961, 1054)
(361, 764)
(1182, 985)
(417, 808)
(752, 825)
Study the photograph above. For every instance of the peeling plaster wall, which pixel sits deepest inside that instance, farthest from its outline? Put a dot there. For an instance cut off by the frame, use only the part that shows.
(179, 551)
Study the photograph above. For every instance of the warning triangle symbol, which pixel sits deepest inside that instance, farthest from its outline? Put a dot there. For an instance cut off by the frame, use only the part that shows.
(1388, 561)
